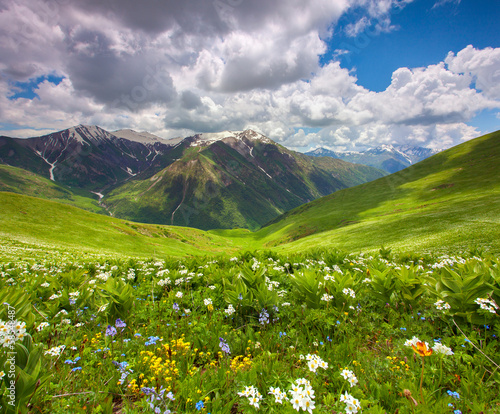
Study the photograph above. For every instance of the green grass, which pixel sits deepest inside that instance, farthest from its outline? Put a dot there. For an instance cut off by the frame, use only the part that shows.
(17, 180)
(36, 221)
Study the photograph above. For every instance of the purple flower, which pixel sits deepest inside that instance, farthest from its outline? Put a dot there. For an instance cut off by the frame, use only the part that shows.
(224, 346)
(176, 306)
(111, 331)
(120, 324)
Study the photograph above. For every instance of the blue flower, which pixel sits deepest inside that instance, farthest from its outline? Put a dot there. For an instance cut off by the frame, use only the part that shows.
(76, 369)
(224, 346)
(199, 405)
(111, 331)
(120, 324)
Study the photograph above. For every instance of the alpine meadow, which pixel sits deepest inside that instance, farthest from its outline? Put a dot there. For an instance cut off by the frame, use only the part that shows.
(241, 206)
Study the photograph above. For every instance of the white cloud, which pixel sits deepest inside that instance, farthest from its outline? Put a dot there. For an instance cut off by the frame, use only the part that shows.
(482, 65)
(174, 69)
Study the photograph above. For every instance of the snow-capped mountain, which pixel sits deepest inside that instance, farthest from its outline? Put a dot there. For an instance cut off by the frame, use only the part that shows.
(85, 156)
(390, 158)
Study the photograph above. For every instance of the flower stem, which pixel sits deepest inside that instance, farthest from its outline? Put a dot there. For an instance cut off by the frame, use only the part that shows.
(422, 380)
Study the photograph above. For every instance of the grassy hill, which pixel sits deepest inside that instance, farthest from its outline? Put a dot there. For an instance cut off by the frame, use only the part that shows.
(54, 225)
(449, 199)
(17, 180)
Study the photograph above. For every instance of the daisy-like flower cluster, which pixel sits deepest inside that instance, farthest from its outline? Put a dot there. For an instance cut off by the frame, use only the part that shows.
(302, 395)
(253, 395)
(314, 362)
(326, 297)
(348, 375)
(442, 305)
(279, 396)
(230, 310)
(349, 292)
(11, 331)
(487, 304)
(352, 404)
(55, 351)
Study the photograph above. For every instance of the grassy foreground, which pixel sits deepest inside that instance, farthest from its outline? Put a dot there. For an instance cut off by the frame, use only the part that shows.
(320, 333)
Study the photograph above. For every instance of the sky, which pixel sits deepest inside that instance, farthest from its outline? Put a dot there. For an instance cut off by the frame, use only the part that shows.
(340, 74)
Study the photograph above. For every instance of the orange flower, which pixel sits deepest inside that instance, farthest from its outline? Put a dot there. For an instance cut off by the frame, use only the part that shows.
(422, 349)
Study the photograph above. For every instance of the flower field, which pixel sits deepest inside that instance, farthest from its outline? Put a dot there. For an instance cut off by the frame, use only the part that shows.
(319, 332)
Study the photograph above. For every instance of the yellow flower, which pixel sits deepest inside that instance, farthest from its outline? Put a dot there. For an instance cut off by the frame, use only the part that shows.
(421, 349)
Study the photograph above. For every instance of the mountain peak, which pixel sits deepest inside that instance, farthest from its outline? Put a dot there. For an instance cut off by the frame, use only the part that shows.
(209, 138)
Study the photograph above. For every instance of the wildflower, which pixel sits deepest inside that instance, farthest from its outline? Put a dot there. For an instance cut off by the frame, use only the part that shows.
(179, 295)
(453, 394)
(442, 305)
(224, 346)
(199, 405)
(422, 349)
(42, 326)
(111, 331)
(253, 395)
(175, 307)
(263, 317)
(207, 302)
(349, 376)
(352, 404)
(55, 351)
(487, 304)
(412, 342)
(230, 310)
(326, 297)
(349, 292)
(279, 395)
(439, 348)
(120, 324)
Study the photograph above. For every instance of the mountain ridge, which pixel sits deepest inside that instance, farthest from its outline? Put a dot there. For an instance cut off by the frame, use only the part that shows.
(388, 157)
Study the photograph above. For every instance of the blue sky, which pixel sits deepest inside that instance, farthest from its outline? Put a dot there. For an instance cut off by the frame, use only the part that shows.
(343, 74)
(424, 35)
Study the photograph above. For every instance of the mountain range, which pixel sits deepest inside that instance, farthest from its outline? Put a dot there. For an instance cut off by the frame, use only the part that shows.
(448, 203)
(390, 158)
(215, 180)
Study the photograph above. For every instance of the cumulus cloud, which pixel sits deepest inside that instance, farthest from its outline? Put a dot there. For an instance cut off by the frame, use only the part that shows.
(176, 68)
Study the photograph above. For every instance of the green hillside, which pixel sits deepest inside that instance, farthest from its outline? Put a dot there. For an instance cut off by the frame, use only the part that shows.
(17, 180)
(449, 199)
(54, 225)
(225, 186)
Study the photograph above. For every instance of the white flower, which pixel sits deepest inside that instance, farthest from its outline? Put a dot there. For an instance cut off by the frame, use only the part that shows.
(349, 292)
(412, 342)
(179, 294)
(230, 310)
(212, 287)
(55, 351)
(326, 297)
(42, 326)
(207, 301)
(442, 349)
(442, 305)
